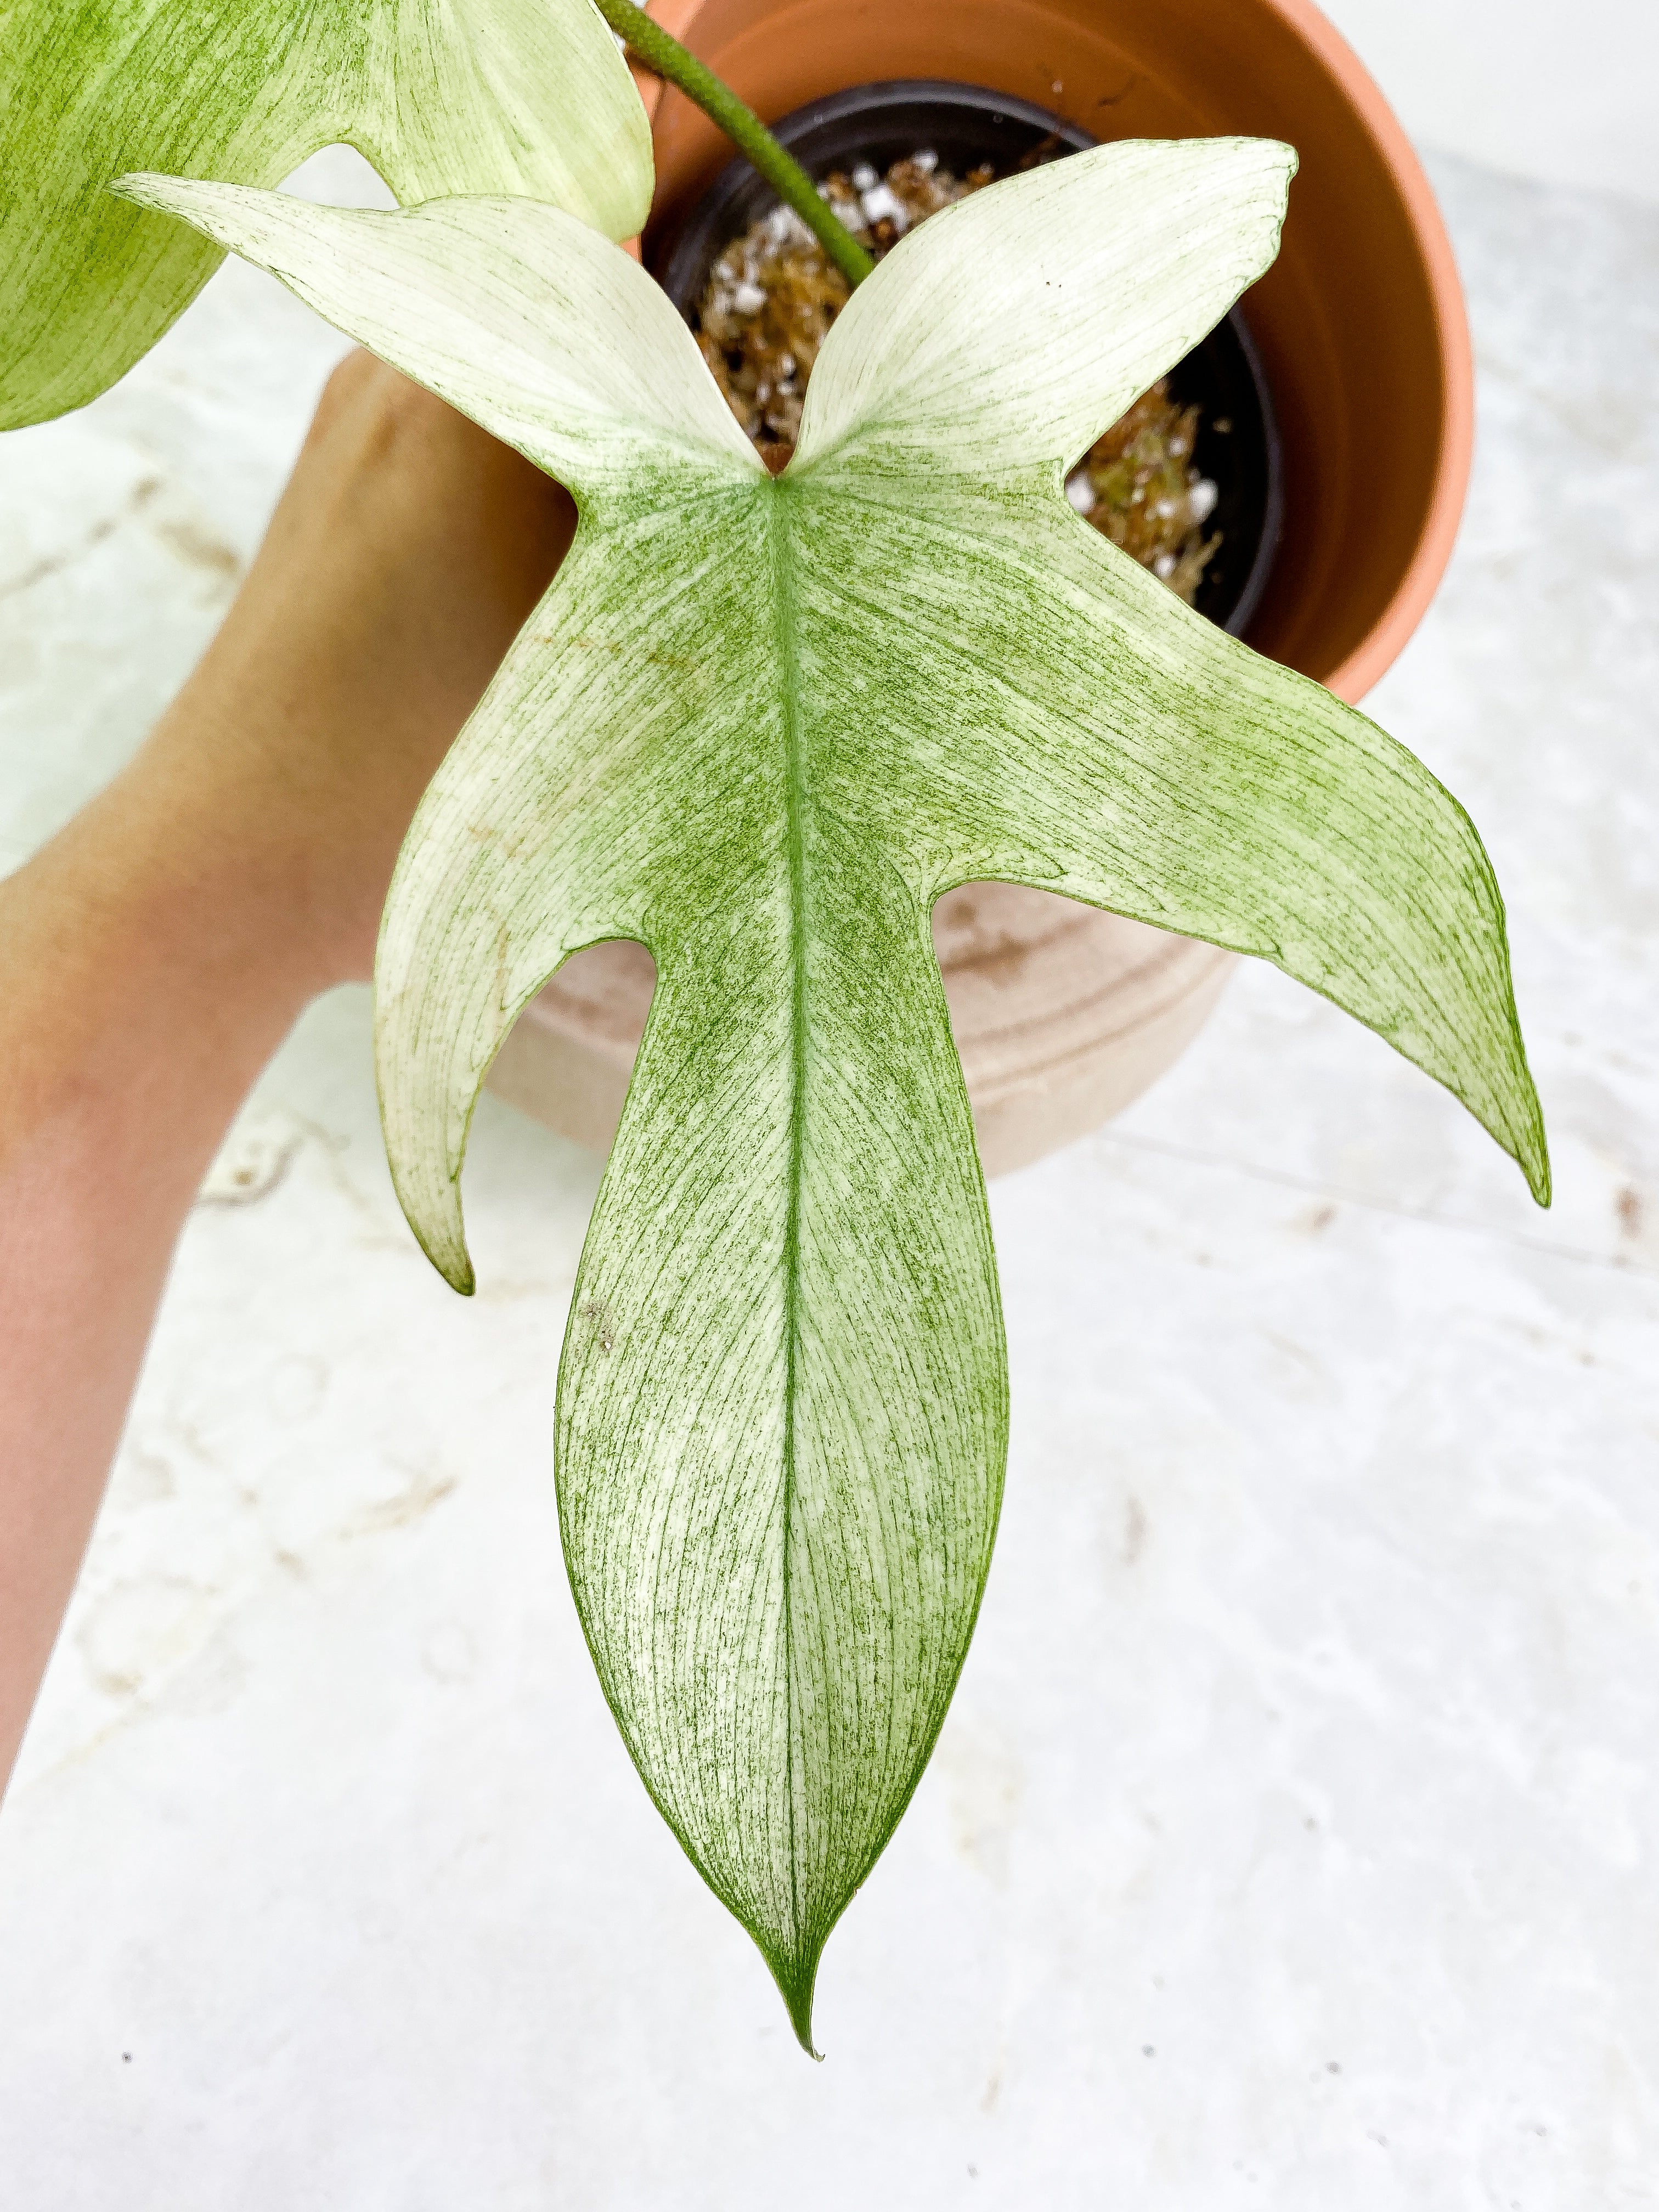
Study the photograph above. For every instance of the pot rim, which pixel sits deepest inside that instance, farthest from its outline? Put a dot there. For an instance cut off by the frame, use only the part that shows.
(1382, 647)
(1420, 579)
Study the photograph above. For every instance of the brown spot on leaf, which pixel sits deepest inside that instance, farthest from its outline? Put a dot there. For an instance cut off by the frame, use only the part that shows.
(598, 1318)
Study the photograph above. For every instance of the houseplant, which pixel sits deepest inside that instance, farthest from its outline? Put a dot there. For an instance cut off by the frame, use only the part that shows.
(1063, 1014)
(782, 1404)
(1060, 1013)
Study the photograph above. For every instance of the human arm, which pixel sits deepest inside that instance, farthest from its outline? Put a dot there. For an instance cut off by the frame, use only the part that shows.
(156, 952)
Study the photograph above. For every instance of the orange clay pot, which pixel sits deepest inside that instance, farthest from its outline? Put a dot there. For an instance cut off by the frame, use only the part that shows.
(1062, 1014)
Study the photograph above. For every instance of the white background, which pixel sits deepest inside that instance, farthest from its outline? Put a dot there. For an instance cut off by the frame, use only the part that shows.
(1563, 89)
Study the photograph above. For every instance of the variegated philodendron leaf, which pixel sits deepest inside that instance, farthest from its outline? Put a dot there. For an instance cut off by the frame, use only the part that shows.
(761, 726)
(442, 96)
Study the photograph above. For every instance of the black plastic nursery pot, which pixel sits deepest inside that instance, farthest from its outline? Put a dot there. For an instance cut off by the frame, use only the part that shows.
(1359, 322)
(1238, 447)
(1061, 1014)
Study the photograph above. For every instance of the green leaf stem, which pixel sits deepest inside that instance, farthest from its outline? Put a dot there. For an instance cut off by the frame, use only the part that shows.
(761, 725)
(652, 46)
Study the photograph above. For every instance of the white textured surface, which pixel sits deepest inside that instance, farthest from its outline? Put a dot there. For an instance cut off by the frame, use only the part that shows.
(1292, 1840)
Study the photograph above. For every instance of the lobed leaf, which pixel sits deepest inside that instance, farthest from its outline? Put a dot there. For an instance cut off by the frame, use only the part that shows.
(443, 97)
(761, 725)
(1018, 334)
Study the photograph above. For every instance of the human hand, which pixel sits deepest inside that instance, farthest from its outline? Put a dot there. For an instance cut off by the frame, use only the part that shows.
(402, 557)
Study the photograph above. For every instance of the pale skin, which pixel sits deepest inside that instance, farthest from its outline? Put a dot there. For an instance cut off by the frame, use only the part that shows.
(154, 954)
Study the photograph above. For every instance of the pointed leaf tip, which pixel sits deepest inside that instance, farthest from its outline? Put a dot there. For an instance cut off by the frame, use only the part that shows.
(443, 1241)
(797, 1981)
(1535, 1161)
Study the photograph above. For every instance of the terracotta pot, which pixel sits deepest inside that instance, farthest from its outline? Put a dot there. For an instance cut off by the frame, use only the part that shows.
(965, 125)
(1062, 1015)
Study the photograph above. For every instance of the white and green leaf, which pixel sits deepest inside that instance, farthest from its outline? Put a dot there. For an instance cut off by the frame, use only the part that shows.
(443, 97)
(761, 725)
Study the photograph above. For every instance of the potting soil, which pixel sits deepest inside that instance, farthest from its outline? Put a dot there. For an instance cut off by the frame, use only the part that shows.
(772, 295)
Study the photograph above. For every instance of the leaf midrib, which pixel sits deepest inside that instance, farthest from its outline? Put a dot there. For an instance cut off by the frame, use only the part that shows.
(795, 803)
